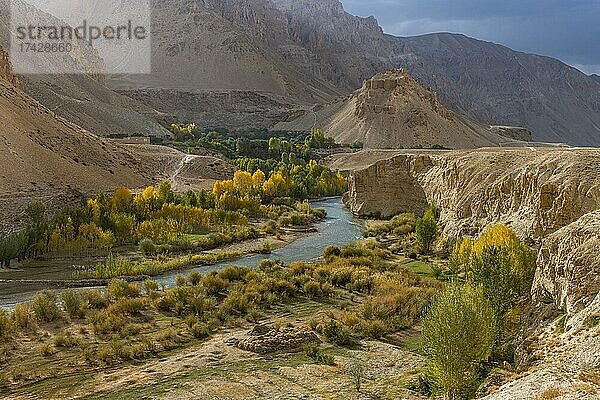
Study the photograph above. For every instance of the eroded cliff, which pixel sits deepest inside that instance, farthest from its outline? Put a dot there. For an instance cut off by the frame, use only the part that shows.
(534, 191)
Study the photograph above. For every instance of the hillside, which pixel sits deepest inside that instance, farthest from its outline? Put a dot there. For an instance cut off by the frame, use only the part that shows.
(311, 51)
(393, 110)
(48, 158)
(84, 99)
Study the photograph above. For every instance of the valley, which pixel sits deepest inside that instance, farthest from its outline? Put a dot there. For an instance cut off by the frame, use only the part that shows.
(295, 204)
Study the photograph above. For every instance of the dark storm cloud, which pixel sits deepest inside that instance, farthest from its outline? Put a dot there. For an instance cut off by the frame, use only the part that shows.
(565, 29)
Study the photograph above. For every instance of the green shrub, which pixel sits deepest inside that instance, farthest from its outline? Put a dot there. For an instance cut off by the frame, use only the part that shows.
(149, 286)
(6, 325)
(23, 318)
(200, 331)
(314, 352)
(131, 306)
(119, 288)
(459, 333)
(147, 247)
(105, 322)
(66, 339)
(331, 251)
(95, 299)
(337, 334)
(44, 306)
(194, 278)
(373, 329)
(46, 349)
(312, 289)
(72, 303)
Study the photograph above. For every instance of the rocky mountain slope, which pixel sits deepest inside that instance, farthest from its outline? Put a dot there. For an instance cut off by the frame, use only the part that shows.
(310, 51)
(393, 110)
(48, 158)
(535, 191)
(84, 99)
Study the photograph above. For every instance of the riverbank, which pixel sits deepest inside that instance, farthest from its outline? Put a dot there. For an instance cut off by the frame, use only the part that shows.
(338, 228)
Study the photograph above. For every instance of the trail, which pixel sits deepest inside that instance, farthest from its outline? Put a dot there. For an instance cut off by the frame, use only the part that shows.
(182, 164)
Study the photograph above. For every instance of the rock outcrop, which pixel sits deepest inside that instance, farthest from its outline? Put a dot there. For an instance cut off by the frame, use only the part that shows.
(535, 191)
(265, 340)
(393, 110)
(6, 71)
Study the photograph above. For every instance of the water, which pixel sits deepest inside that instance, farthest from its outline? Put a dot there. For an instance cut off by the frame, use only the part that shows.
(338, 229)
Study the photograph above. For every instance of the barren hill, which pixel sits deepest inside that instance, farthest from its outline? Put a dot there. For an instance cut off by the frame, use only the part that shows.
(49, 158)
(393, 110)
(84, 99)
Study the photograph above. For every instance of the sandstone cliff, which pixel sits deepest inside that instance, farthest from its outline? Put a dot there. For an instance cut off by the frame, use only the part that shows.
(535, 191)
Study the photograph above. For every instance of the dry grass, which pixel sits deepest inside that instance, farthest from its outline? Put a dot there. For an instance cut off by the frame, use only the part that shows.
(549, 394)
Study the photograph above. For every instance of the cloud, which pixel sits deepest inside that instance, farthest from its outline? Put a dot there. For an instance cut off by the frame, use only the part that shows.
(568, 30)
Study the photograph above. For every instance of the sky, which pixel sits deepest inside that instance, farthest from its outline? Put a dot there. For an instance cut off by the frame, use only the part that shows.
(565, 29)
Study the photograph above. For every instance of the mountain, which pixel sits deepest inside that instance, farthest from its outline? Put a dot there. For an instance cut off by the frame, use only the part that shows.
(393, 110)
(310, 51)
(45, 157)
(84, 98)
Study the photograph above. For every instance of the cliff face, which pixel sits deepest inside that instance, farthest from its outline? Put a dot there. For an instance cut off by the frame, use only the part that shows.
(536, 192)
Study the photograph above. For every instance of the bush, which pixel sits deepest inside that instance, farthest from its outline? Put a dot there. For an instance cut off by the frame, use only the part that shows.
(44, 306)
(66, 339)
(6, 325)
(426, 230)
(72, 303)
(374, 329)
(150, 286)
(200, 331)
(459, 333)
(46, 349)
(194, 278)
(318, 355)
(95, 299)
(105, 322)
(119, 288)
(23, 318)
(331, 251)
(337, 334)
(312, 289)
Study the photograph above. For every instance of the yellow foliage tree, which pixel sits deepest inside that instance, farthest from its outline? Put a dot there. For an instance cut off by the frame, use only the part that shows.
(258, 179)
(243, 182)
(122, 200)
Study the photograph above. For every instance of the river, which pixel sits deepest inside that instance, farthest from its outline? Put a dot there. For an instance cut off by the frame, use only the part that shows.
(340, 227)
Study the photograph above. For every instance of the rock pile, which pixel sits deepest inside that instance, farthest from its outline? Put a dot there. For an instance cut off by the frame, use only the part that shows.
(265, 340)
